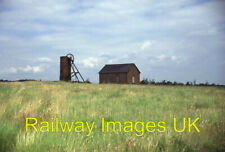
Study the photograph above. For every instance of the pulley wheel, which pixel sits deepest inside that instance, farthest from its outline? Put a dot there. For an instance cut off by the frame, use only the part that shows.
(71, 57)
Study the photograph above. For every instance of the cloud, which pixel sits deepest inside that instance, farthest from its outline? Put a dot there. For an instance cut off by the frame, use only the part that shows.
(164, 58)
(25, 69)
(12, 70)
(158, 59)
(91, 62)
(174, 58)
(44, 59)
(125, 29)
(28, 68)
(146, 45)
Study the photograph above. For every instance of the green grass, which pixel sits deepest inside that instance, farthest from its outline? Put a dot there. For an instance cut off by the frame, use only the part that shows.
(90, 102)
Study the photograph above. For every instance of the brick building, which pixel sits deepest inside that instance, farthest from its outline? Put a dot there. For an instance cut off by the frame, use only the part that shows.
(120, 73)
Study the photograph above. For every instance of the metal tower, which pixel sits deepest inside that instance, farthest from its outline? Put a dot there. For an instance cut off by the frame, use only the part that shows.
(75, 72)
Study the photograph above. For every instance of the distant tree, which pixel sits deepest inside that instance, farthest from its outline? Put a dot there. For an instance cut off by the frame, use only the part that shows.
(152, 81)
(201, 84)
(87, 81)
(174, 83)
(23, 80)
(144, 81)
(180, 83)
(194, 82)
(169, 83)
(163, 82)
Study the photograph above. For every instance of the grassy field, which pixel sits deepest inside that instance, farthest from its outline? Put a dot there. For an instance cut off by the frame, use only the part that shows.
(90, 102)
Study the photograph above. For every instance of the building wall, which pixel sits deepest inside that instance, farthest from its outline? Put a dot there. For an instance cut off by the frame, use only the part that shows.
(65, 69)
(112, 78)
(133, 72)
(124, 78)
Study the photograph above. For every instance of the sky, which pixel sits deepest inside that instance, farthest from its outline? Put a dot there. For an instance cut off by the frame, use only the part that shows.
(175, 40)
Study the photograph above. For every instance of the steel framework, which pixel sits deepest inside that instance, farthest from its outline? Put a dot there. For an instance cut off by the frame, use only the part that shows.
(75, 72)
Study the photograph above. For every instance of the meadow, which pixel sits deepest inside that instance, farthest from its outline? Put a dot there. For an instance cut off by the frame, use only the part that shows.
(90, 102)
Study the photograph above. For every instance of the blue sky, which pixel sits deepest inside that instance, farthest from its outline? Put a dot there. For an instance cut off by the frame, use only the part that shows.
(178, 40)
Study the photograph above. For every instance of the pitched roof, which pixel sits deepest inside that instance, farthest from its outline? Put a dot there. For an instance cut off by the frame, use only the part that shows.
(117, 68)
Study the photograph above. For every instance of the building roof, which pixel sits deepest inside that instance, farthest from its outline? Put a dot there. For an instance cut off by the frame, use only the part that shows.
(117, 68)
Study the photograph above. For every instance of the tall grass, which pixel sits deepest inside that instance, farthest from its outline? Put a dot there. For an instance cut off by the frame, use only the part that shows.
(90, 102)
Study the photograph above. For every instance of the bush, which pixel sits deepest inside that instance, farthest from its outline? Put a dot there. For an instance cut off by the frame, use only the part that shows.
(144, 81)
(87, 81)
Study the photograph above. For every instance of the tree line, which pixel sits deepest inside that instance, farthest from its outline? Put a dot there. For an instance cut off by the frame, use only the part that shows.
(147, 81)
